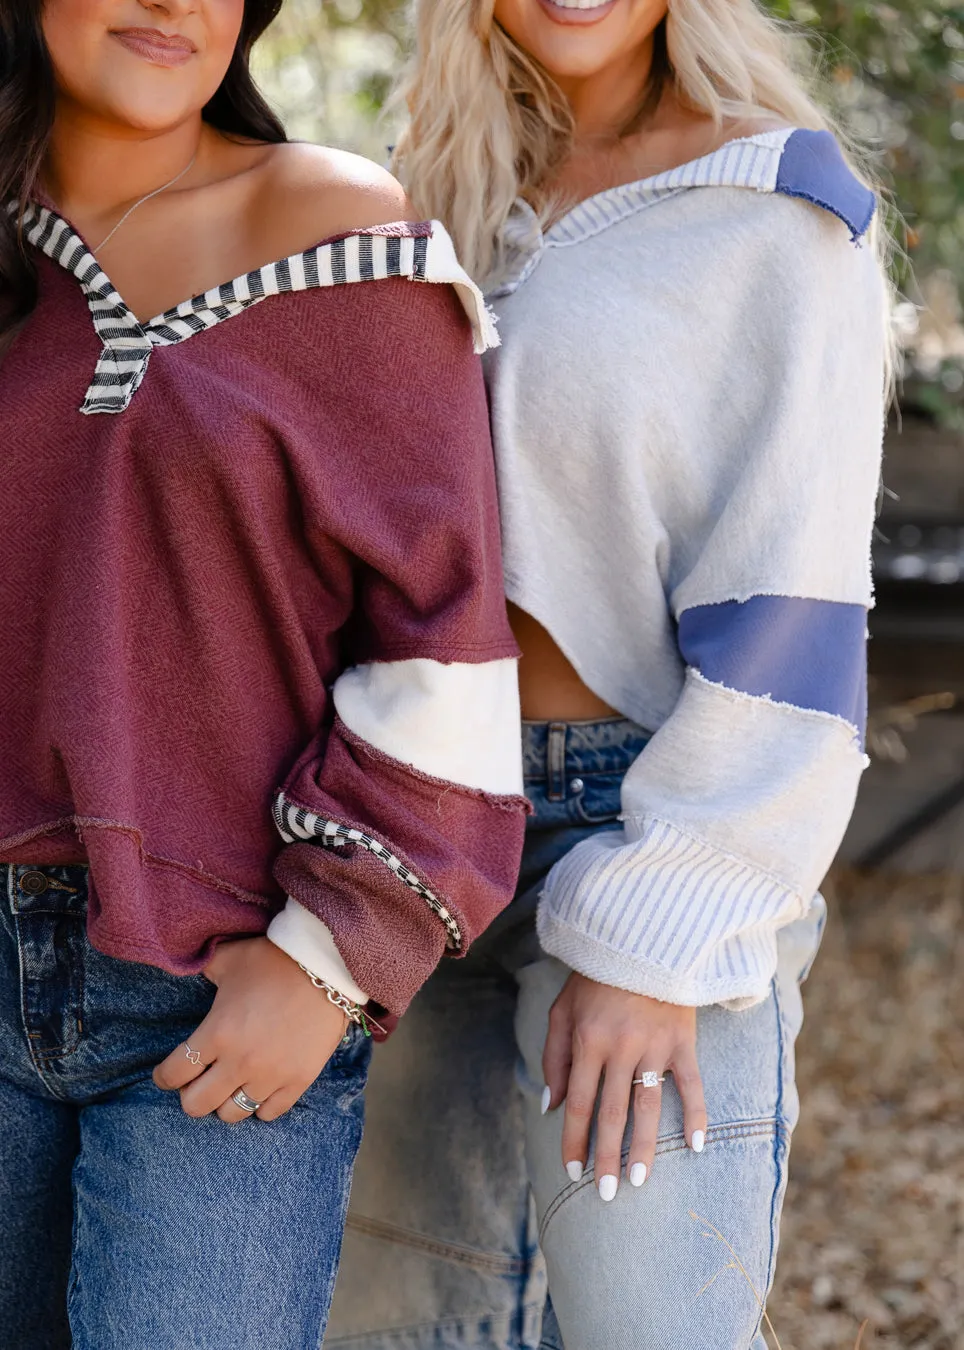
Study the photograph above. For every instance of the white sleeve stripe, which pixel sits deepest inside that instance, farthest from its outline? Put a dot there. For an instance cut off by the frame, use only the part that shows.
(303, 937)
(458, 722)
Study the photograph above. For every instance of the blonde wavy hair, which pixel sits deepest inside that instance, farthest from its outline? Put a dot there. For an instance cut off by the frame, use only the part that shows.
(486, 124)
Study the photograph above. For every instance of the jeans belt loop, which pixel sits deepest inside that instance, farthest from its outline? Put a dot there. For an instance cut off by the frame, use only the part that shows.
(556, 762)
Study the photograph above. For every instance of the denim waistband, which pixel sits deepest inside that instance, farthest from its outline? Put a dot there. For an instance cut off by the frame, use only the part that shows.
(577, 764)
(56, 889)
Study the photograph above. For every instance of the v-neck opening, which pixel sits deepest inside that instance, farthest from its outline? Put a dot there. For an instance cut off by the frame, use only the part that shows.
(675, 178)
(419, 251)
(745, 162)
(212, 297)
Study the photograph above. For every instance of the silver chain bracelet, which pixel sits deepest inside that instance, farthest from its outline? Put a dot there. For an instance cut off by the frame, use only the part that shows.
(353, 1011)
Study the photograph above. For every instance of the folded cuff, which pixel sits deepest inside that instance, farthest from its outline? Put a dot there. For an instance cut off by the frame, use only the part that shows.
(667, 915)
(303, 937)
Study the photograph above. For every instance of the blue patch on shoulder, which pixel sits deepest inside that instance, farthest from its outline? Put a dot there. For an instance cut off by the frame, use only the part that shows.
(813, 168)
(809, 653)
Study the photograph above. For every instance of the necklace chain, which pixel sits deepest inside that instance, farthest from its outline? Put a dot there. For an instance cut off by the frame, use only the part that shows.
(146, 198)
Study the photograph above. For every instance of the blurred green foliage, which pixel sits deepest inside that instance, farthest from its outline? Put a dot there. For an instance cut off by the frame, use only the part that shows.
(328, 68)
(896, 74)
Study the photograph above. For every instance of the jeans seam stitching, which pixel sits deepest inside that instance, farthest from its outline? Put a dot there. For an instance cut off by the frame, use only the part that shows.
(763, 1128)
(36, 1057)
(778, 1144)
(499, 1265)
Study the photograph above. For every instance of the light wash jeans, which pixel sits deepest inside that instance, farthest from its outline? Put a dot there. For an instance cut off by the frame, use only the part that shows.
(124, 1224)
(461, 1211)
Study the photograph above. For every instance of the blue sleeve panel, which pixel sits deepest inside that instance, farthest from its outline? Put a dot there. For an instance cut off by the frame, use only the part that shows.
(808, 653)
(812, 167)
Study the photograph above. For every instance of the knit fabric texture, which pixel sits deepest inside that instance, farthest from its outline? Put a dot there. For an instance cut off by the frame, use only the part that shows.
(295, 482)
(688, 413)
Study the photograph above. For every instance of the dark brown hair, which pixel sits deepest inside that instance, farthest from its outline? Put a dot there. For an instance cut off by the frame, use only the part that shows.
(27, 101)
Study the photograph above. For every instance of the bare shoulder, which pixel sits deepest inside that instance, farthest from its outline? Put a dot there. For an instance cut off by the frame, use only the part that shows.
(306, 193)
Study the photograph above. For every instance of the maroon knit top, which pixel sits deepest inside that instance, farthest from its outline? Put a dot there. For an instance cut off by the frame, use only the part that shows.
(208, 518)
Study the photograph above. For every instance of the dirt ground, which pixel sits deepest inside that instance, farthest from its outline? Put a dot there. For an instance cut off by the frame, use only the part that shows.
(874, 1220)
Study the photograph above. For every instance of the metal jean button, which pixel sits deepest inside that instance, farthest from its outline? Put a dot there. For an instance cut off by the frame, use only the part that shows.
(576, 786)
(33, 883)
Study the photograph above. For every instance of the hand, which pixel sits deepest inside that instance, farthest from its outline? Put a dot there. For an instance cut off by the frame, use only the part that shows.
(270, 1032)
(596, 1032)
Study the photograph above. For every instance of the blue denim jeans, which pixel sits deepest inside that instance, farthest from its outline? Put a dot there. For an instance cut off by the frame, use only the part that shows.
(461, 1203)
(125, 1224)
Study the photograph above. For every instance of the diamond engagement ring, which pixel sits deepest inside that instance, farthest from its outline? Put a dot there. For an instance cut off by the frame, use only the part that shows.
(245, 1102)
(649, 1079)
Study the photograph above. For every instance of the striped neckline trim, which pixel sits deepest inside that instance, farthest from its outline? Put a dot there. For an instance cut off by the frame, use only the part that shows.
(417, 252)
(750, 162)
(793, 161)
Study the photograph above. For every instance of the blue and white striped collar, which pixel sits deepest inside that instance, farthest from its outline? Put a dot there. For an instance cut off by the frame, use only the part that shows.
(792, 162)
(418, 252)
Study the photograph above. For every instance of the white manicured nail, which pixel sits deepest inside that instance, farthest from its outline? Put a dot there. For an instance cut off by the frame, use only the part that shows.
(699, 1139)
(607, 1187)
(637, 1174)
(575, 1170)
(546, 1099)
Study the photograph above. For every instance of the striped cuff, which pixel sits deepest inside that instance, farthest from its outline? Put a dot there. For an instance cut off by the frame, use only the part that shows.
(668, 916)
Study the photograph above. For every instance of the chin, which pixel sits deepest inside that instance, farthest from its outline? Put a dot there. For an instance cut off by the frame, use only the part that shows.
(569, 50)
(143, 113)
(575, 43)
(577, 54)
(576, 66)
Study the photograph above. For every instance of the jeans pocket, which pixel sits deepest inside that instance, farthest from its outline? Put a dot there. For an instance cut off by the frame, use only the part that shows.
(597, 801)
(345, 1075)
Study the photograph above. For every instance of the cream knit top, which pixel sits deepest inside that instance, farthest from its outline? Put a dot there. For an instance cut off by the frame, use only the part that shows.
(687, 410)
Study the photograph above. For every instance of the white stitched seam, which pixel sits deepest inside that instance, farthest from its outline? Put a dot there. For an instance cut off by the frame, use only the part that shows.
(741, 696)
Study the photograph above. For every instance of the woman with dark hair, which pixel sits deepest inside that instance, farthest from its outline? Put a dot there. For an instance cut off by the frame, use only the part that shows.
(259, 766)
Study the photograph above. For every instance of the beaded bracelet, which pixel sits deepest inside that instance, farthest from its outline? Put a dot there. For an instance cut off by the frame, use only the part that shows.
(353, 1011)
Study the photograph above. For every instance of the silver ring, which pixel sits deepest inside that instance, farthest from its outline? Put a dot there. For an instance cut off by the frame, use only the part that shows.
(246, 1103)
(193, 1055)
(649, 1079)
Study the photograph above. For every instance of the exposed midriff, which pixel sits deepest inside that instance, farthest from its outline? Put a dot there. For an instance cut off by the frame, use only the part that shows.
(549, 685)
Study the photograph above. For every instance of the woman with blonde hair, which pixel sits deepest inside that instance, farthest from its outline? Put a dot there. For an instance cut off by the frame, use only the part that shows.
(687, 409)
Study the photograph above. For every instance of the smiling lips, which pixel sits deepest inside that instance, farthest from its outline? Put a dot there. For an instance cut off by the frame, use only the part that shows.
(577, 11)
(162, 49)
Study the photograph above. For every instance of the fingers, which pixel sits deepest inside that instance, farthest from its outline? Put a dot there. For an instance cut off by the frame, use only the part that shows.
(231, 1113)
(184, 1064)
(280, 1102)
(647, 1105)
(600, 1032)
(557, 1055)
(686, 1075)
(212, 1090)
(611, 1126)
(580, 1103)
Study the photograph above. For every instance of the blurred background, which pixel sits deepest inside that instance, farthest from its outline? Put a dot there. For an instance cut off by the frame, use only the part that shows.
(874, 1225)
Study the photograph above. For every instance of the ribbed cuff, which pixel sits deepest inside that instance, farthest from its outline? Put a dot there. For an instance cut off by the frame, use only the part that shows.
(668, 916)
